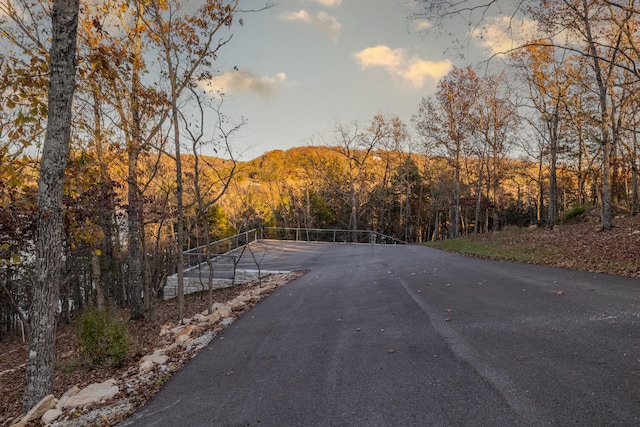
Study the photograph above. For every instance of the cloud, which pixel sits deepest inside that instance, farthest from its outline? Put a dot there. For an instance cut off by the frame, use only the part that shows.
(323, 21)
(301, 15)
(329, 25)
(329, 3)
(504, 33)
(247, 82)
(398, 63)
(421, 24)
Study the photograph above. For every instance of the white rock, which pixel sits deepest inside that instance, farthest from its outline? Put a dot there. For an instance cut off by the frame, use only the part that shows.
(91, 394)
(166, 329)
(145, 366)
(224, 311)
(215, 316)
(200, 318)
(72, 391)
(47, 402)
(51, 415)
(187, 342)
(69, 393)
(237, 304)
(180, 340)
(177, 329)
(158, 357)
(227, 321)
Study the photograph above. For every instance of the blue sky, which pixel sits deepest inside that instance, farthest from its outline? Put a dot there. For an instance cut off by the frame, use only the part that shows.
(304, 65)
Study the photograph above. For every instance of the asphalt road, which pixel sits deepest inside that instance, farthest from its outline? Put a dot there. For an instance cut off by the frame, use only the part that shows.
(411, 336)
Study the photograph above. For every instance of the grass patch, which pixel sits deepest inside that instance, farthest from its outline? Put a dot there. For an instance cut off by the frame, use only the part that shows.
(69, 366)
(510, 245)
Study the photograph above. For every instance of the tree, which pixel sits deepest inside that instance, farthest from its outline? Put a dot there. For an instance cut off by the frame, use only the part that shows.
(450, 120)
(548, 85)
(498, 127)
(188, 47)
(44, 308)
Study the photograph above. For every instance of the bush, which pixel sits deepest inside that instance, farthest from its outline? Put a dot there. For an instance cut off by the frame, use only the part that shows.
(102, 336)
(575, 213)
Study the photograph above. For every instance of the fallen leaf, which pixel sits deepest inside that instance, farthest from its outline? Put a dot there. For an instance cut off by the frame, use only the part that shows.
(447, 310)
(391, 351)
(447, 319)
(560, 293)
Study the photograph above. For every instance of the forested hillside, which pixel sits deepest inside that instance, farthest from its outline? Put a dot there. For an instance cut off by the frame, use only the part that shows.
(545, 135)
(405, 195)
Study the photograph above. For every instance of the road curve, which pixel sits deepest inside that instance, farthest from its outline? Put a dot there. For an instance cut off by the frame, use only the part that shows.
(412, 336)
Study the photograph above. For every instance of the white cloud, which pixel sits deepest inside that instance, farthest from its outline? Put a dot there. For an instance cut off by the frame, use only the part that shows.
(300, 15)
(326, 23)
(504, 33)
(329, 3)
(245, 81)
(421, 24)
(398, 63)
(329, 25)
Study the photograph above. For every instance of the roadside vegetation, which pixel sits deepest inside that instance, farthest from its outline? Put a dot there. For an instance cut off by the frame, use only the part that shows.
(580, 246)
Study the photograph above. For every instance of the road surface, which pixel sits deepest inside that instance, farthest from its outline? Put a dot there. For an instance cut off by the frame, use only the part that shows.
(412, 336)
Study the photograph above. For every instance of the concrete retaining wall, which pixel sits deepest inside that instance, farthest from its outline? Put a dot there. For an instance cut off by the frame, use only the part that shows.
(195, 284)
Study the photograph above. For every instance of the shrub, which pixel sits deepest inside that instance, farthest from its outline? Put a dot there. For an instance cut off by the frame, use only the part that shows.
(574, 213)
(102, 336)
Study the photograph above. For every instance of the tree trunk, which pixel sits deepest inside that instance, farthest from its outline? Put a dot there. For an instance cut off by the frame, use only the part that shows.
(134, 219)
(97, 279)
(553, 196)
(44, 308)
(634, 176)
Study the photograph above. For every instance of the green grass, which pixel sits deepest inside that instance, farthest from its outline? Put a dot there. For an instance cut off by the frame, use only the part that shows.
(499, 247)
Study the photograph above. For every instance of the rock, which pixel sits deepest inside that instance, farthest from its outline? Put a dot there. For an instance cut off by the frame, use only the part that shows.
(48, 402)
(72, 391)
(145, 366)
(237, 304)
(166, 329)
(178, 329)
(224, 311)
(91, 394)
(201, 318)
(21, 423)
(184, 338)
(216, 306)
(158, 357)
(51, 415)
(186, 343)
(215, 316)
(200, 342)
(189, 330)
(227, 321)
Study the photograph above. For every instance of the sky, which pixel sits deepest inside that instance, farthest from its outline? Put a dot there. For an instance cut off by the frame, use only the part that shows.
(295, 70)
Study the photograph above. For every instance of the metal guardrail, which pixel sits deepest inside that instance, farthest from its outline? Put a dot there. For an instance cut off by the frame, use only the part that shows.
(219, 248)
(329, 235)
(223, 247)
